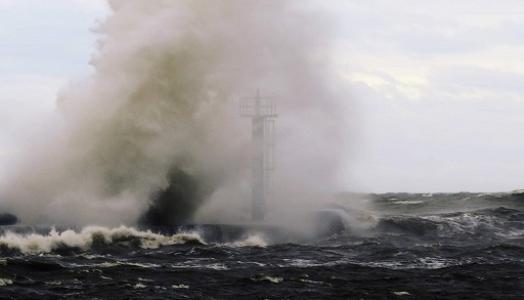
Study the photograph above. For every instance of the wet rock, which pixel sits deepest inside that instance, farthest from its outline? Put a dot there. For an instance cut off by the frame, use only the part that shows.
(8, 219)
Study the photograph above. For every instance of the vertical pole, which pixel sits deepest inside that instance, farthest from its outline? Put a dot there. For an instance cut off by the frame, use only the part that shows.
(258, 205)
(262, 118)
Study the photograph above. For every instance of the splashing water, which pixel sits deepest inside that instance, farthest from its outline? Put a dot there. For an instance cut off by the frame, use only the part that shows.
(34, 243)
(163, 100)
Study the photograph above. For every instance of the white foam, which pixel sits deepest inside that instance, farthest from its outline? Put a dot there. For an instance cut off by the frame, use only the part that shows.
(180, 286)
(251, 241)
(269, 279)
(192, 265)
(401, 293)
(5, 281)
(311, 281)
(36, 243)
(139, 286)
(409, 202)
(300, 263)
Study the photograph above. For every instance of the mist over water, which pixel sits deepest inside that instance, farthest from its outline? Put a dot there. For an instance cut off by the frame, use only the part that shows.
(160, 116)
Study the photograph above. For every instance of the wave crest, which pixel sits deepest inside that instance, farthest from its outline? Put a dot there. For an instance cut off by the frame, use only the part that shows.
(93, 236)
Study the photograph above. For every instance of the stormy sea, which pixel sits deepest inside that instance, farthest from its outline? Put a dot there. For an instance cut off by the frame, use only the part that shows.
(147, 182)
(413, 246)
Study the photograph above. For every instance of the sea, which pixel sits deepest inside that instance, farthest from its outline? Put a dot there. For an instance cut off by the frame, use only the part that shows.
(407, 246)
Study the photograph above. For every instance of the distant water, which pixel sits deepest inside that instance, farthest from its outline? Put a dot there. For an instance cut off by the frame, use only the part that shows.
(419, 246)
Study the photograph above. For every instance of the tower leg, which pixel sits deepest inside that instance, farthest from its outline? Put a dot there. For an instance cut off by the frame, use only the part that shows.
(258, 205)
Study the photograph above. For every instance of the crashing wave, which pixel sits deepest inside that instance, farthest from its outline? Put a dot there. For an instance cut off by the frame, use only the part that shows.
(93, 236)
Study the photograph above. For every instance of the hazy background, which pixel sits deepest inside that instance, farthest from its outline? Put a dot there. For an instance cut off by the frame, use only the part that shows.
(437, 86)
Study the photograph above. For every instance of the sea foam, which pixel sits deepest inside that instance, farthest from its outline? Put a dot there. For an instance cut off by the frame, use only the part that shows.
(34, 243)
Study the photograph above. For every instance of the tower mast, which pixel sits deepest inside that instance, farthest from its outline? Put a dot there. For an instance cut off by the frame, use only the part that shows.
(262, 113)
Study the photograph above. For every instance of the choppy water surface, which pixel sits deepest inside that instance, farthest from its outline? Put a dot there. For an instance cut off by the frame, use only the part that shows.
(440, 246)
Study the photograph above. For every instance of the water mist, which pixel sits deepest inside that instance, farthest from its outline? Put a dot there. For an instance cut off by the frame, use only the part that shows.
(159, 116)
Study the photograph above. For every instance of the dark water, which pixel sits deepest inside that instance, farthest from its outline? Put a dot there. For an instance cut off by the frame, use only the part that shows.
(443, 246)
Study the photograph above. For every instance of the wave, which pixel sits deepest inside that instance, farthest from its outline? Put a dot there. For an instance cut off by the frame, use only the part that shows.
(92, 237)
(99, 238)
(486, 224)
(440, 202)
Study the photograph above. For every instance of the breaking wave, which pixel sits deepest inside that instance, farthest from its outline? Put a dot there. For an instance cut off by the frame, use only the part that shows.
(92, 237)
(100, 238)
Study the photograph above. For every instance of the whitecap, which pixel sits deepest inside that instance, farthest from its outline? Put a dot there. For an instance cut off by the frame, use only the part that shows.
(401, 293)
(409, 202)
(5, 281)
(192, 265)
(139, 286)
(34, 243)
(254, 240)
(270, 279)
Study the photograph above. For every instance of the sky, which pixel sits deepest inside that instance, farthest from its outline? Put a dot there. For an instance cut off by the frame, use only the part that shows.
(42, 49)
(437, 86)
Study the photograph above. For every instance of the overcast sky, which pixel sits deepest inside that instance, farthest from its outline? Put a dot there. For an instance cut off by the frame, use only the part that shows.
(438, 85)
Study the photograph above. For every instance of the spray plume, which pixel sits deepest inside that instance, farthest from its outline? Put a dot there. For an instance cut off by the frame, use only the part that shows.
(160, 114)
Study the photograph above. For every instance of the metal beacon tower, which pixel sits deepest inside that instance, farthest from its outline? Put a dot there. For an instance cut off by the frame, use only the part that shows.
(262, 113)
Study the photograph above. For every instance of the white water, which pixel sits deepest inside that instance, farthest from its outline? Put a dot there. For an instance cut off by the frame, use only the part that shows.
(36, 243)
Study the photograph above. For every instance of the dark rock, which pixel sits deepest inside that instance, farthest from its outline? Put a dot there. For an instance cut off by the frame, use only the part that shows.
(8, 219)
(175, 204)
